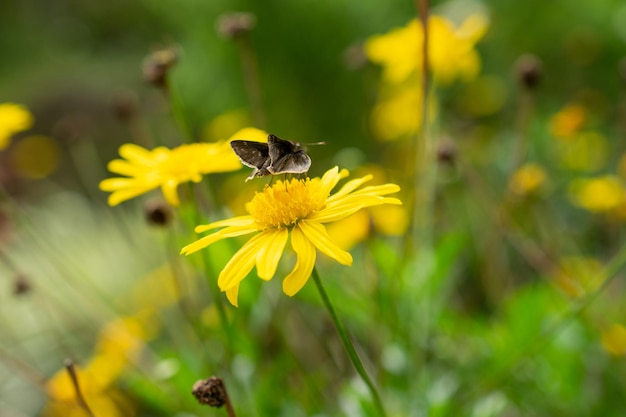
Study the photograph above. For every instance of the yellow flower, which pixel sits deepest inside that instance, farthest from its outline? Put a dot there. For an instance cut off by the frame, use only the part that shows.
(578, 276)
(527, 179)
(568, 121)
(614, 340)
(451, 49)
(599, 194)
(14, 118)
(35, 156)
(167, 168)
(584, 151)
(297, 208)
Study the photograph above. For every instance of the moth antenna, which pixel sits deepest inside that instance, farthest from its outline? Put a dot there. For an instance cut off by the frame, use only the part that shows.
(317, 143)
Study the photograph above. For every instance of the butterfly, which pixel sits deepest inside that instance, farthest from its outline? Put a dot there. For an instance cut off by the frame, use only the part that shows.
(277, 156)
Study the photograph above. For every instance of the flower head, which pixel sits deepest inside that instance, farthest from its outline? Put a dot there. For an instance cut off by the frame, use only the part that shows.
(600, 194)
(451, 53)
(298, 208)
(166, 168)
(13, 118)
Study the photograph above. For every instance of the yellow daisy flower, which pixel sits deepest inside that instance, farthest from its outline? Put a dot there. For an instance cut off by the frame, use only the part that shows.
(13, 118)
(451, 53)
(166, 168)
(299, 208)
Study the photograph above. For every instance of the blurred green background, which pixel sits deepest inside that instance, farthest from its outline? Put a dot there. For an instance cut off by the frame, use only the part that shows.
(493, 335)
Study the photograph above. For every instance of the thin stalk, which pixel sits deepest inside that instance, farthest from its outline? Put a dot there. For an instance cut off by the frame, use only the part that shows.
(252, 79)
(347, 344)
(71, 370)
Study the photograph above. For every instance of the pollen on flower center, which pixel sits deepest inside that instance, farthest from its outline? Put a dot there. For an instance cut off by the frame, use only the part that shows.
(286, 202)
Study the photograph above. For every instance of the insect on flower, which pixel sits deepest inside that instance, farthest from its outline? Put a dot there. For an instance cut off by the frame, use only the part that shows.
(277, 156)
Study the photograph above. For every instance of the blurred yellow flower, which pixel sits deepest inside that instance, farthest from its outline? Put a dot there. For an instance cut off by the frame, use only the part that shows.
(14, 118)
(167, 168)
(568, 121)
(614, 340)
(297, 208)
(451, 49)
(397, 114)
(527, 179)
(578, 276)
(599, 194)
(35, 156)
(119, 344)
(224, 124)
(584, 151)
(390, 220)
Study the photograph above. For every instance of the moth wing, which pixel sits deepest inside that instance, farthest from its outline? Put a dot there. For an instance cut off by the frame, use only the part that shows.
(251, 154)
(286, 156)
(294, 163)
(279, 147)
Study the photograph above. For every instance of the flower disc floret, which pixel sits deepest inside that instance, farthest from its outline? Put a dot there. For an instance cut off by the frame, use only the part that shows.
(286, 203)
(295, 210)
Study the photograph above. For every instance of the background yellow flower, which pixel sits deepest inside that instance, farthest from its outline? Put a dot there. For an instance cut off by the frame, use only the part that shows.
(14, 118)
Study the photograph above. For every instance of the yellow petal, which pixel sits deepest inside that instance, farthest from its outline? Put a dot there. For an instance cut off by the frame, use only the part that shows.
(304, 264)
(120, 196)
(241, 263)
(122, 167)
(136, 154)
(349, 187)
(214, 237)
(169, 190)
(269, 255)
(235, 221)
(232, 294)
(316, 233)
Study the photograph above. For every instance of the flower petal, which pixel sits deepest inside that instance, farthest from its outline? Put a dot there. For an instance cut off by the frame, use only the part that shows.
(349, 187)
(300, 274)
(214, 237)
(241, 263)
(234, 221)
(268, 257)
(120, 196)
(232, 294)
(317, 234)
(136, 154)
(169, 188)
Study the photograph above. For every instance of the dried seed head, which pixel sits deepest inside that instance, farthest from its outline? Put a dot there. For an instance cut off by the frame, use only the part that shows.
(158, 213)
(157, 64)
(210, 391)
(529, 70)
(21, 285)
(232, 25)
(354, 57)
(446, 152)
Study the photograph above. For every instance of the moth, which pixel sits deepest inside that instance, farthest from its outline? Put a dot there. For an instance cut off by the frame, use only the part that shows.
(277, 156)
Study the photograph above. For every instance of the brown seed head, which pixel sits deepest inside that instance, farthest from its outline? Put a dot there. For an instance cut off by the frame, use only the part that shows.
(210, 392)
(157, 64)
(232, 25)
(21, 285)
(446, 152)
(158, 213)
(529, 70)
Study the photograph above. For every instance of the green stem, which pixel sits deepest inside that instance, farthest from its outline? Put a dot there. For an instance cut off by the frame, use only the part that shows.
(347, 344)
(210, 275)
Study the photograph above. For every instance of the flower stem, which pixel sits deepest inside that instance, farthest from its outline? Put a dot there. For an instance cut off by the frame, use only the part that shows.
(347, 344)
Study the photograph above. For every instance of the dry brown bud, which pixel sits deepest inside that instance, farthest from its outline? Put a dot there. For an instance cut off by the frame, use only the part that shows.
(529, 70)
(157, 64)
(210, 392)
(232, 25)
(158, 213)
